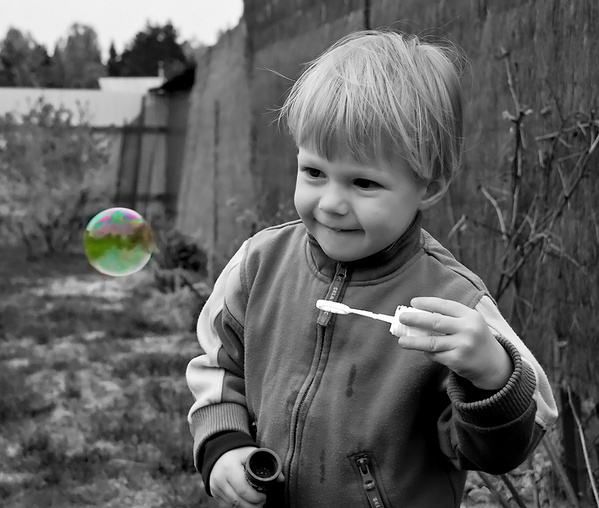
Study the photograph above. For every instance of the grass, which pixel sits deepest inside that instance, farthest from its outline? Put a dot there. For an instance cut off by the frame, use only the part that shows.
(94, 398)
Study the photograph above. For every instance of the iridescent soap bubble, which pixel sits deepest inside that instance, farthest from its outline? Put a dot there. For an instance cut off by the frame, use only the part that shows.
(118, 242)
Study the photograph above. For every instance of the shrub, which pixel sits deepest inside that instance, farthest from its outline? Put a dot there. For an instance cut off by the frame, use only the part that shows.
(53, 175)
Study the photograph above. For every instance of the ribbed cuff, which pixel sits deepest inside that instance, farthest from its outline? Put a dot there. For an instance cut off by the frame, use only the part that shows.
(494, 408)
(215, 447)
(216, 419)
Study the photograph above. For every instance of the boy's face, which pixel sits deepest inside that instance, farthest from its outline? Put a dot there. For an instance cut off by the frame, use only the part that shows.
(353, 210)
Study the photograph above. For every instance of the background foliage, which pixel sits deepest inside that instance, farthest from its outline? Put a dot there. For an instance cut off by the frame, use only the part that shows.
(76, 60)
(53, 173)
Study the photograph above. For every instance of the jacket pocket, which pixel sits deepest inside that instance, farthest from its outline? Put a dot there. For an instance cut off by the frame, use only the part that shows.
(371, 486)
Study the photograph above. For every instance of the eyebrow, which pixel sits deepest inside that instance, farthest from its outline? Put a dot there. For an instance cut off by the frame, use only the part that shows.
(308, 160)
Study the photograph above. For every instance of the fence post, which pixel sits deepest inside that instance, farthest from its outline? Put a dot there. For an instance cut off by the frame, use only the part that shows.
(142, 121)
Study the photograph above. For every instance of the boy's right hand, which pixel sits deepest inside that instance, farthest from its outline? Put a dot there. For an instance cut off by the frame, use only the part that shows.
(228, 484)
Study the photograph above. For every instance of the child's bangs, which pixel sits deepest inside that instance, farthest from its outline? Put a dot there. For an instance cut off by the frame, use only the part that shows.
(331, 121)
(380, 98)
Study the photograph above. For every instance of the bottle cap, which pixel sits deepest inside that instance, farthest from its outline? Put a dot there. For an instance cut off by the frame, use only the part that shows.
(399, 329)
(262, 467)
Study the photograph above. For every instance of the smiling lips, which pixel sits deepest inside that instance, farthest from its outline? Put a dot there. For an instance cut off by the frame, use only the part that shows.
(339, 230)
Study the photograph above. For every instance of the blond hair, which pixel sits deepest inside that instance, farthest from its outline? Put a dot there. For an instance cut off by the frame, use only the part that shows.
(378, 96)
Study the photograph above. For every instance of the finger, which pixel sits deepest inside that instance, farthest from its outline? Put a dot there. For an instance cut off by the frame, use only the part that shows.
(428, 344)
(442, 357)
(432, 321)
(227, 497)
(440, 305)
(218, 495)
(238, 502)
(246, 495)
(223, 502)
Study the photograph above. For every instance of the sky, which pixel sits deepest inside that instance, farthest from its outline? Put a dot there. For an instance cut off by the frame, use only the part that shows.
(47, 21)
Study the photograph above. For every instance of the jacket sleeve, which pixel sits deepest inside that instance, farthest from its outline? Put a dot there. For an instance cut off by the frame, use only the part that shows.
(216, 377)
(494, 431)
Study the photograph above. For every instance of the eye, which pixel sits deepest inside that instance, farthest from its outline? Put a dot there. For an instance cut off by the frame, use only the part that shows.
(312, 172)
(363, 183)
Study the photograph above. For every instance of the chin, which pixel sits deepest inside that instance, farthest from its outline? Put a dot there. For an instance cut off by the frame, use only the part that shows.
(341, 257)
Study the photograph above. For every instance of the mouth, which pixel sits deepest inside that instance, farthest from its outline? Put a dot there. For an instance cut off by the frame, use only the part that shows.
(339, 230)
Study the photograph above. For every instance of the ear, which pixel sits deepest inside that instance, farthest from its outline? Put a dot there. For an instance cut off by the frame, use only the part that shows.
(435, 190)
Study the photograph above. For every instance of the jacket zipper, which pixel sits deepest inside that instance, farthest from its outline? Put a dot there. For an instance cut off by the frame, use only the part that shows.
(369, 485)
(323, 319)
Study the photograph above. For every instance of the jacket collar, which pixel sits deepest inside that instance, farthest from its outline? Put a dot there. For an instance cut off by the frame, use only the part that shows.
(375, 266)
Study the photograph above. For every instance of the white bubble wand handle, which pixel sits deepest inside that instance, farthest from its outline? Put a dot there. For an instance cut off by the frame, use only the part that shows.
(398, 329)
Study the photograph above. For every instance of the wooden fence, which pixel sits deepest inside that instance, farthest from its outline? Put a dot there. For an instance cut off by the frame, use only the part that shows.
(151, 155)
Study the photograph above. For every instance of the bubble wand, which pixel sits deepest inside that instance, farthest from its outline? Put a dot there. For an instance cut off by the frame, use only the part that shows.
(398, 329)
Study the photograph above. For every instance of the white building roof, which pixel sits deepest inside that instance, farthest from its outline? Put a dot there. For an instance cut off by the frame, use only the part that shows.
(134, 85)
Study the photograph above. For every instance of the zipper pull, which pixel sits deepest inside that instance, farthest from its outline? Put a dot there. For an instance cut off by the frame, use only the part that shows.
(369, 483)
(324, 317)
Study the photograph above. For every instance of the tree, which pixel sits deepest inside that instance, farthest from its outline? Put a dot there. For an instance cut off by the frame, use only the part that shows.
(57, 74)
(152, 48)
(23, 62)
(80, 58)
(113, 64)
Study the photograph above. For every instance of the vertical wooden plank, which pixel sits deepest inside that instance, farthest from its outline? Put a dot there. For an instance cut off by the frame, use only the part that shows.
(139, 146)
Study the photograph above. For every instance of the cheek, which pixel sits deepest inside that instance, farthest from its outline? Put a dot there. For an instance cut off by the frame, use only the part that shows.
(374, 214)
(387, 218)
(301, 200)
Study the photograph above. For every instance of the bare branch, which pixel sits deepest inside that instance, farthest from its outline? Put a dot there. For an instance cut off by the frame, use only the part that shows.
(594, 145)
(510, 81)
(565, 130)
(559, 469)
(559, 252)
(456, 227)
(516, 497)
(493, 202)
(564, 142)
(489, 483)
(571, 156)
(535, 289)
(584, 447)
(596, 224)
(575, 177)
(514, 235)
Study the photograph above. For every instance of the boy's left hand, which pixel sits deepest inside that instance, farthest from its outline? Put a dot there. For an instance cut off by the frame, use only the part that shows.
(461, 340)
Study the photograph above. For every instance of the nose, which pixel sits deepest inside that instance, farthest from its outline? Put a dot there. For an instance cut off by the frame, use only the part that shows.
(333, 201)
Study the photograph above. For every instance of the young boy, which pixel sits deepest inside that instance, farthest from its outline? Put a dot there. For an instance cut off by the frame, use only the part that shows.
(358, 417)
